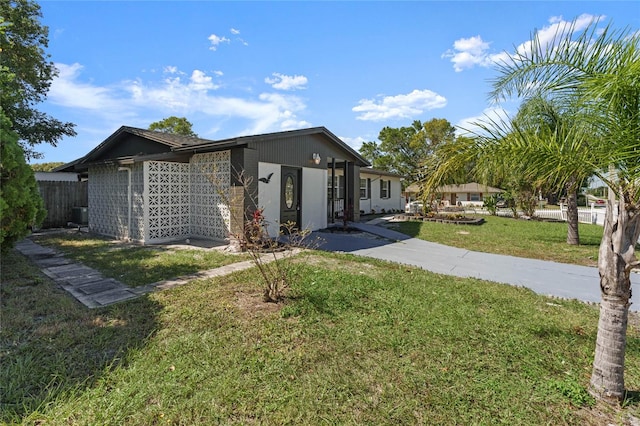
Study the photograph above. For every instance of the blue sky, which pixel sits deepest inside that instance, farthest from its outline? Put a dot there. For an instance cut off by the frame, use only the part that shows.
(238, 68)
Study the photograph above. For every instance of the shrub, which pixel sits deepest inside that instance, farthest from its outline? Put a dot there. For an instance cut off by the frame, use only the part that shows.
(21, 206)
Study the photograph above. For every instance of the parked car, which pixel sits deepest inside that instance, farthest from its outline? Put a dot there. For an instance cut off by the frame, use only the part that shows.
(414, 207)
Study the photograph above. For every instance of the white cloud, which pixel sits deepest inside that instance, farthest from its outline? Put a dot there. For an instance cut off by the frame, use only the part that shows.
(130, 102)
(469, 52)
(234, 31)
(200, 81)
(287, 82)
(471, 125)
(216, 40)
(355, 142)
(170, 69)
(66, 91)
(400, 106)
(474, 51)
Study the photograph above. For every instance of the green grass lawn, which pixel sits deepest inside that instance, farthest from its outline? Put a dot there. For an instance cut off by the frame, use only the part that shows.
(357, 342)
(135, 265)
(522, 238)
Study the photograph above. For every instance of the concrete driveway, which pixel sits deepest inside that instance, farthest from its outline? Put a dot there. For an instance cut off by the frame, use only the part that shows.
(543, 277)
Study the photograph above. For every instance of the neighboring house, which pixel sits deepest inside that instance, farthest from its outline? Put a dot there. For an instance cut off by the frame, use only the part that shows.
(153, 187)
(380, 191)
(56, 177)
(468, 194)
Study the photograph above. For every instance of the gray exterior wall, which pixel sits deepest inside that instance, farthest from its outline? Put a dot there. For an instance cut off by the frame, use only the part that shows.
(296, 151)
(133, 145)
(244, 182)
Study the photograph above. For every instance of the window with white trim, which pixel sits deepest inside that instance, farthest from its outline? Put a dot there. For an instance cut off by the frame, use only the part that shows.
(385, 188)
(365, 185)
(338, 184)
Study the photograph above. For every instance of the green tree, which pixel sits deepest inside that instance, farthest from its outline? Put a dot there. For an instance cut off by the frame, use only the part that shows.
(23, 42)
(593, 78)
(406, 150)
(371, 152)
(175, 125)
(46, 167)
(20, 203)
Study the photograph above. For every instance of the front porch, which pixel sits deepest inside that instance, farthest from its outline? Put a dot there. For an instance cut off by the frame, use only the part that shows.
(343, 186)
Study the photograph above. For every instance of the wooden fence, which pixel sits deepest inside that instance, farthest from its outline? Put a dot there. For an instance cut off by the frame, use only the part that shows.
(60, 198)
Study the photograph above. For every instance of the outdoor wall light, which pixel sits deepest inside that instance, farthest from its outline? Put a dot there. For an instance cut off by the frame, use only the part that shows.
(316, 158)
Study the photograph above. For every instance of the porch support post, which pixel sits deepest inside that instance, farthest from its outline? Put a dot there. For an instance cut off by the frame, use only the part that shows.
(346, 211)
(333, 190)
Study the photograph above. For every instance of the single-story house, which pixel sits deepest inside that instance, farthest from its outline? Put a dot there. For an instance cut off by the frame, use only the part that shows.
(467, 194)
(57, 177)
(152, 187)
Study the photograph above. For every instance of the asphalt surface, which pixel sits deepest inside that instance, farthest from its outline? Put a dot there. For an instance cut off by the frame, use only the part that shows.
(543, 277)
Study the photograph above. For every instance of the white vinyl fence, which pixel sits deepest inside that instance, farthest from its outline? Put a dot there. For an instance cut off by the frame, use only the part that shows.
(585, 214)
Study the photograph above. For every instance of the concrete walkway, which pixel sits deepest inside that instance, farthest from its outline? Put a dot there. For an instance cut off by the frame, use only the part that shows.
(543, 277)
(377, 241)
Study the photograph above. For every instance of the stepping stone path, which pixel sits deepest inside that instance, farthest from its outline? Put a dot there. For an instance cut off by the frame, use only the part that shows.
(93, 290)
(87, 285)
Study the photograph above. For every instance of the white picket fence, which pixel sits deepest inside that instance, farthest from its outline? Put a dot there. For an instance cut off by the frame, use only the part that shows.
(585, 215)
(591, 215)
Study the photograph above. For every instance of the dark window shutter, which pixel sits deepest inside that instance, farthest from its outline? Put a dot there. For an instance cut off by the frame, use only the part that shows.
(368, 187)
(388, 189)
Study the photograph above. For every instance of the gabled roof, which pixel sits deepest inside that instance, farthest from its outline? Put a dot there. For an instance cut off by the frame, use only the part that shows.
(465, 187)
(371, 171)
(170, 140)
(187, 144)
(243, 140)
(469, 187)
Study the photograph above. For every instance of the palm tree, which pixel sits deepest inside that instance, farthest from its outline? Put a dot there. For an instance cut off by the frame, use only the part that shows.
(549, 132)
(594, 80)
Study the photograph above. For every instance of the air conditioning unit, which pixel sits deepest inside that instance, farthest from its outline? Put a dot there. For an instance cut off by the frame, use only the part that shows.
(80, 215)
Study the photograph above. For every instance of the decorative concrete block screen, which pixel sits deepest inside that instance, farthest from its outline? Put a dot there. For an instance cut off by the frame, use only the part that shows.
(168, 200)
(210, 180)
(188, 199)
(182, 199)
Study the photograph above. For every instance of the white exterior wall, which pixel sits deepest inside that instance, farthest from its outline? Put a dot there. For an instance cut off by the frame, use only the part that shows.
(269, 196)
(314, 199)
(375, 202)
(109, 204)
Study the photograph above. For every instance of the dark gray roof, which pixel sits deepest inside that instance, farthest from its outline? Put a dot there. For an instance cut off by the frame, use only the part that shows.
(189, 144)
(373, 171)
(243, 140)
(170, 139)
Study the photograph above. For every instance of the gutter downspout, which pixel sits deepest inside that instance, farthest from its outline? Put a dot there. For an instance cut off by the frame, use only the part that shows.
(128, 170)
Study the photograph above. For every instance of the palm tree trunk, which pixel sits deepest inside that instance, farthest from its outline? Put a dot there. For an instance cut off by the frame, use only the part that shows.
(573, 236)
(615, 261)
